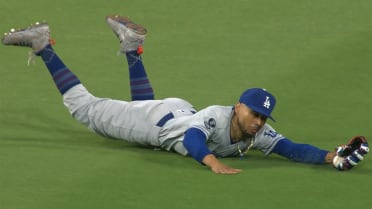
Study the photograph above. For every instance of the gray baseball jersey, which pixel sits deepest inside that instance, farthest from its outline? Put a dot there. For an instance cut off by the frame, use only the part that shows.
(214, 122)
(146, 122)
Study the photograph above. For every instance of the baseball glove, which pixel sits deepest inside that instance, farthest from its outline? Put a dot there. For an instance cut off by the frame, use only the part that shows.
(351, 154)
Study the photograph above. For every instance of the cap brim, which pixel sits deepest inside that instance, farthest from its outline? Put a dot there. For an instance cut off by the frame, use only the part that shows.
(260, 112)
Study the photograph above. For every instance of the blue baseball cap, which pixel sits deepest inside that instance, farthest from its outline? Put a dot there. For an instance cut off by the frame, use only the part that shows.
(259, 100)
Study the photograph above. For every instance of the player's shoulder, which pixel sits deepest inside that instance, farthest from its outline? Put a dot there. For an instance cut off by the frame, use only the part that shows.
(266, 127)
(218, 110)
(217, 116)
(219, 107)
(268, 131)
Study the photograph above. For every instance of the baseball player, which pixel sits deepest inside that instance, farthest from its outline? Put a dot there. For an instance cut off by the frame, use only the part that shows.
(173, 124)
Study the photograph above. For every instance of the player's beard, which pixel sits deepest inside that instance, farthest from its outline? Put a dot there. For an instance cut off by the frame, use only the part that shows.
(245, 130)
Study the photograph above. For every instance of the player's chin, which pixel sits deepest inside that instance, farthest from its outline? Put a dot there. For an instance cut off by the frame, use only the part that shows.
(253, 131)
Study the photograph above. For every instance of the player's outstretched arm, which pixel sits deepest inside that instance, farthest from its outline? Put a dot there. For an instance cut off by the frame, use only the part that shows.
(304, 153)
(344, 158)
(194, 143)
(217, 167)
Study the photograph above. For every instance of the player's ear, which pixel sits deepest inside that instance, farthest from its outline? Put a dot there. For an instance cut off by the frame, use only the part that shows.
(237, 106)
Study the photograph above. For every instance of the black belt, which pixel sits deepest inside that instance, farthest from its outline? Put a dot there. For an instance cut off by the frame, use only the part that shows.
(165, 119)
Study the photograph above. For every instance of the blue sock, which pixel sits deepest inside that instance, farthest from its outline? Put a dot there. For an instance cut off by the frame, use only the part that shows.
(62, 76)
(140, 86)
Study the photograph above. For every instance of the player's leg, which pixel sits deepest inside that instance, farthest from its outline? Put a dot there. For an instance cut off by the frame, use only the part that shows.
(131, 38)
(37, 37)
(63, 78)
(75, 97)
(111, 118)
(140, 86)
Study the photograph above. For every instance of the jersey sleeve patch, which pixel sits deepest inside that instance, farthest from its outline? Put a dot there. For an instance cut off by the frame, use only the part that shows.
(210, 123)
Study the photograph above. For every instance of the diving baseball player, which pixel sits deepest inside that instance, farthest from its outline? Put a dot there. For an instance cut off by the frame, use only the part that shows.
(173, 124)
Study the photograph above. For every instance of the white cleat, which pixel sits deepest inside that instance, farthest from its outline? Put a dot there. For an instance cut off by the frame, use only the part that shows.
(36, 36)
(130, 34)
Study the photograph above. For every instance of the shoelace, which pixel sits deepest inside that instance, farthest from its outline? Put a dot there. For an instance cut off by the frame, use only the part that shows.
(31, 54)
(31, 58)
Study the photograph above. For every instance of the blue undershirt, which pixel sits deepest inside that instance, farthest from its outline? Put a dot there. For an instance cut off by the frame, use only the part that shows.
(303, 153)
(195, 143)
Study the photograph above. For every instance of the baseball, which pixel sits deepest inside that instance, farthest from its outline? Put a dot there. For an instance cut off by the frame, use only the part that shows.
(337, 161)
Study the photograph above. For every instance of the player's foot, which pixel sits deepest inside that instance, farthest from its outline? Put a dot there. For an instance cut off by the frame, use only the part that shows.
(130, 34)
(36, 36)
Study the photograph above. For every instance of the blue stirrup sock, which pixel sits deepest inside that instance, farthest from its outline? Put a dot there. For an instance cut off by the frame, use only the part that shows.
(62, 76)
(64, 79)
(140, 86)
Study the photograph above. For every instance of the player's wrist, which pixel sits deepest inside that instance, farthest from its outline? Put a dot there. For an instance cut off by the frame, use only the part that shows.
(329, 157)
(210, 160)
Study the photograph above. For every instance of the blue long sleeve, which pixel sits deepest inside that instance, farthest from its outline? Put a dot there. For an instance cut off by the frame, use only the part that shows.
(195, 143)
(303, 153)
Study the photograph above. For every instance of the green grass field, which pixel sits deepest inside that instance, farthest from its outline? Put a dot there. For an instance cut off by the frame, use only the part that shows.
(315, 56)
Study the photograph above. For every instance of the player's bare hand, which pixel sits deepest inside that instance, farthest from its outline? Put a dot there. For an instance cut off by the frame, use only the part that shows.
(224, 169)
(218, 167)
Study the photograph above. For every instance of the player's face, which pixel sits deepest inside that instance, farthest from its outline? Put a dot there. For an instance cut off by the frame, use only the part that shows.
(249, 121)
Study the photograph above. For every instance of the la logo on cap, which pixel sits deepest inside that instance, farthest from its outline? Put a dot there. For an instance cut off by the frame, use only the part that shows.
(267, 102)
